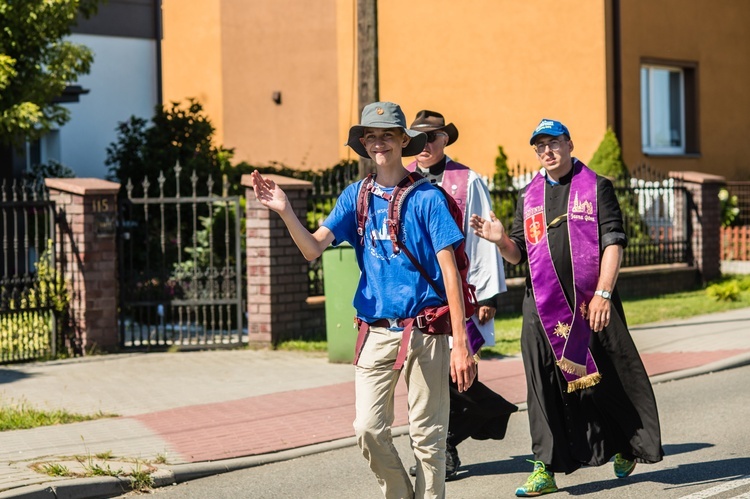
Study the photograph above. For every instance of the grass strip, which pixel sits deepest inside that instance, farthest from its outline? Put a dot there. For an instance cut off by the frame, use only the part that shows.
(22, 416)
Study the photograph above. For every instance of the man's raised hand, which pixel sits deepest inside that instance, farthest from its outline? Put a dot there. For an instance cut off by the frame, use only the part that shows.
(491, 229)
(268, 193)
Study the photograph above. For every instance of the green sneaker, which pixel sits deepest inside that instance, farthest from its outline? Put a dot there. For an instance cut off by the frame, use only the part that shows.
(623, 467)
(539, 482)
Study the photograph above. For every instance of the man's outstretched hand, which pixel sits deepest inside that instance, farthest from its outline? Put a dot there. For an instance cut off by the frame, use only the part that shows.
(491, 229)
(268, 193)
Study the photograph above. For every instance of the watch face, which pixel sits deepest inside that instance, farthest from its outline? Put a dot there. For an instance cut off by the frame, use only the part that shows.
(606, 295)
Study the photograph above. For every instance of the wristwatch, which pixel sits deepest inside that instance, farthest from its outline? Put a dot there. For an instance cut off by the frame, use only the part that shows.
(603, 293)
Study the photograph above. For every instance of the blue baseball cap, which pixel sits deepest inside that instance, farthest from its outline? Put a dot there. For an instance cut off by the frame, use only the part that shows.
(549, 127)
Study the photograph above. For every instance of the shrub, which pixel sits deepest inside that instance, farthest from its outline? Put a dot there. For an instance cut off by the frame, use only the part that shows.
(725, 291)
(607, 159)
(728, 208)
(26, 331)
(505, 203)
(53, 169)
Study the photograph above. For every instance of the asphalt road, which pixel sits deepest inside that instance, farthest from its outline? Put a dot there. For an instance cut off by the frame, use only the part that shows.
(705, 434)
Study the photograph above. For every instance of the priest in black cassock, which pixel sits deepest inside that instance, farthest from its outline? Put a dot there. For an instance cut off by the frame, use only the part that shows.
(589, 397)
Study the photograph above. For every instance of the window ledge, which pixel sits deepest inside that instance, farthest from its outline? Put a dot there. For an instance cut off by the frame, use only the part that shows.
(688, 155)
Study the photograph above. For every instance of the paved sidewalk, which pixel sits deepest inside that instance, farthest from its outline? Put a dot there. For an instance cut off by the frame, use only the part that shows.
(210, 412)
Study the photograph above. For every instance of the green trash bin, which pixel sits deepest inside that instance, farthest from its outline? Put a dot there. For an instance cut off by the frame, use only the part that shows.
(340, 284)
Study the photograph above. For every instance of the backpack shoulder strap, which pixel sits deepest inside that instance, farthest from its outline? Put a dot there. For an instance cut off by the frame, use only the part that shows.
(400, 192)
(363, 201)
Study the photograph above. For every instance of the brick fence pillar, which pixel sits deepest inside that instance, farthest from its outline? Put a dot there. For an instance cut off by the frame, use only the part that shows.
(277, 274)
(87, 216)
(705, 220)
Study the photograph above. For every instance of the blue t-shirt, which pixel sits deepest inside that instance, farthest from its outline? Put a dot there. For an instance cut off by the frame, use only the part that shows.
(390, 287)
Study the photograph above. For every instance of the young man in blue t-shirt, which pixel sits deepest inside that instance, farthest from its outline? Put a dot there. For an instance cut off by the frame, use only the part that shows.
(391, 289)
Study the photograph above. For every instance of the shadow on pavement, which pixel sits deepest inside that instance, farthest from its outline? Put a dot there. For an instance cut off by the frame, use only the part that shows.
(520, 464)
(516, 464)
(674, 449)
(703, 473)
(9, 375)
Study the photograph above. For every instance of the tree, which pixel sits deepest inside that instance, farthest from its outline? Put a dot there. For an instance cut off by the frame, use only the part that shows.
(176, 133)
(37, 63)
(607, 159)
(367, 64)
(504, 194)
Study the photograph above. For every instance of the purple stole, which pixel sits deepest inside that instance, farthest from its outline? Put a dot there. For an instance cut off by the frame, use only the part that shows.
(567, 329)
(455, 181)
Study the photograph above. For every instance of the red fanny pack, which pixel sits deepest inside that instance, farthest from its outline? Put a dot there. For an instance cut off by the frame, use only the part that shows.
(432, 320)
(435, 320)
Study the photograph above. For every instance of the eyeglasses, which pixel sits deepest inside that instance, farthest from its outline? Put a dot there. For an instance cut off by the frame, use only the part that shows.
(554, 145)
(432, 136)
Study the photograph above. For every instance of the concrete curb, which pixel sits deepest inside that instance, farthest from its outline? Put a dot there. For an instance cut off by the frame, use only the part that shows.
(720, 365)
(103, 487)
(76, 488)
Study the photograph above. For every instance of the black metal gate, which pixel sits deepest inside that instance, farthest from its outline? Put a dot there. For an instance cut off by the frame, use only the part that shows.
(32, 294)
(180, 265)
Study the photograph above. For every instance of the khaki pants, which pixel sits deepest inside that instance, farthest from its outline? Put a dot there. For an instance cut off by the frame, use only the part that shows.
(426, 371)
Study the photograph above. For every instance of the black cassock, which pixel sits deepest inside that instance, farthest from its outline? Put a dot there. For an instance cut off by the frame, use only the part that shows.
(478, 413)
(619, 414)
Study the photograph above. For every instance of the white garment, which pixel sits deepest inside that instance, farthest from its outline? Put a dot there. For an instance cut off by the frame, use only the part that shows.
(486, 271)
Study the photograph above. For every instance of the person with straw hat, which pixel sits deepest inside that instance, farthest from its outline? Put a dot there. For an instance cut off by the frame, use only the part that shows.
(390, 293)
(479, 412)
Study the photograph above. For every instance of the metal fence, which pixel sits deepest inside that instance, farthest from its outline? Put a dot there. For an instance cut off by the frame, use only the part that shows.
(656, 213)
(327, 186)
(654, 207)
(654, 210)
(33, 298)
(180, 264)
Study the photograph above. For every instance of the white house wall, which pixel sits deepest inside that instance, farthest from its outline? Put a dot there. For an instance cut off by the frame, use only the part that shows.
(122, 83)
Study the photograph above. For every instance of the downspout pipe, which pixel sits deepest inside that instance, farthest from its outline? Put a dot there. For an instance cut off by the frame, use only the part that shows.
(159, 32)
(617, 67)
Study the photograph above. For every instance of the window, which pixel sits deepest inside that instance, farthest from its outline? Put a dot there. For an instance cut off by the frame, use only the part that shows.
(668, 124)
(34, 152)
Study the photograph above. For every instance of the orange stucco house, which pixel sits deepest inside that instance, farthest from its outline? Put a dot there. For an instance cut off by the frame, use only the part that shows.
(278, 77)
